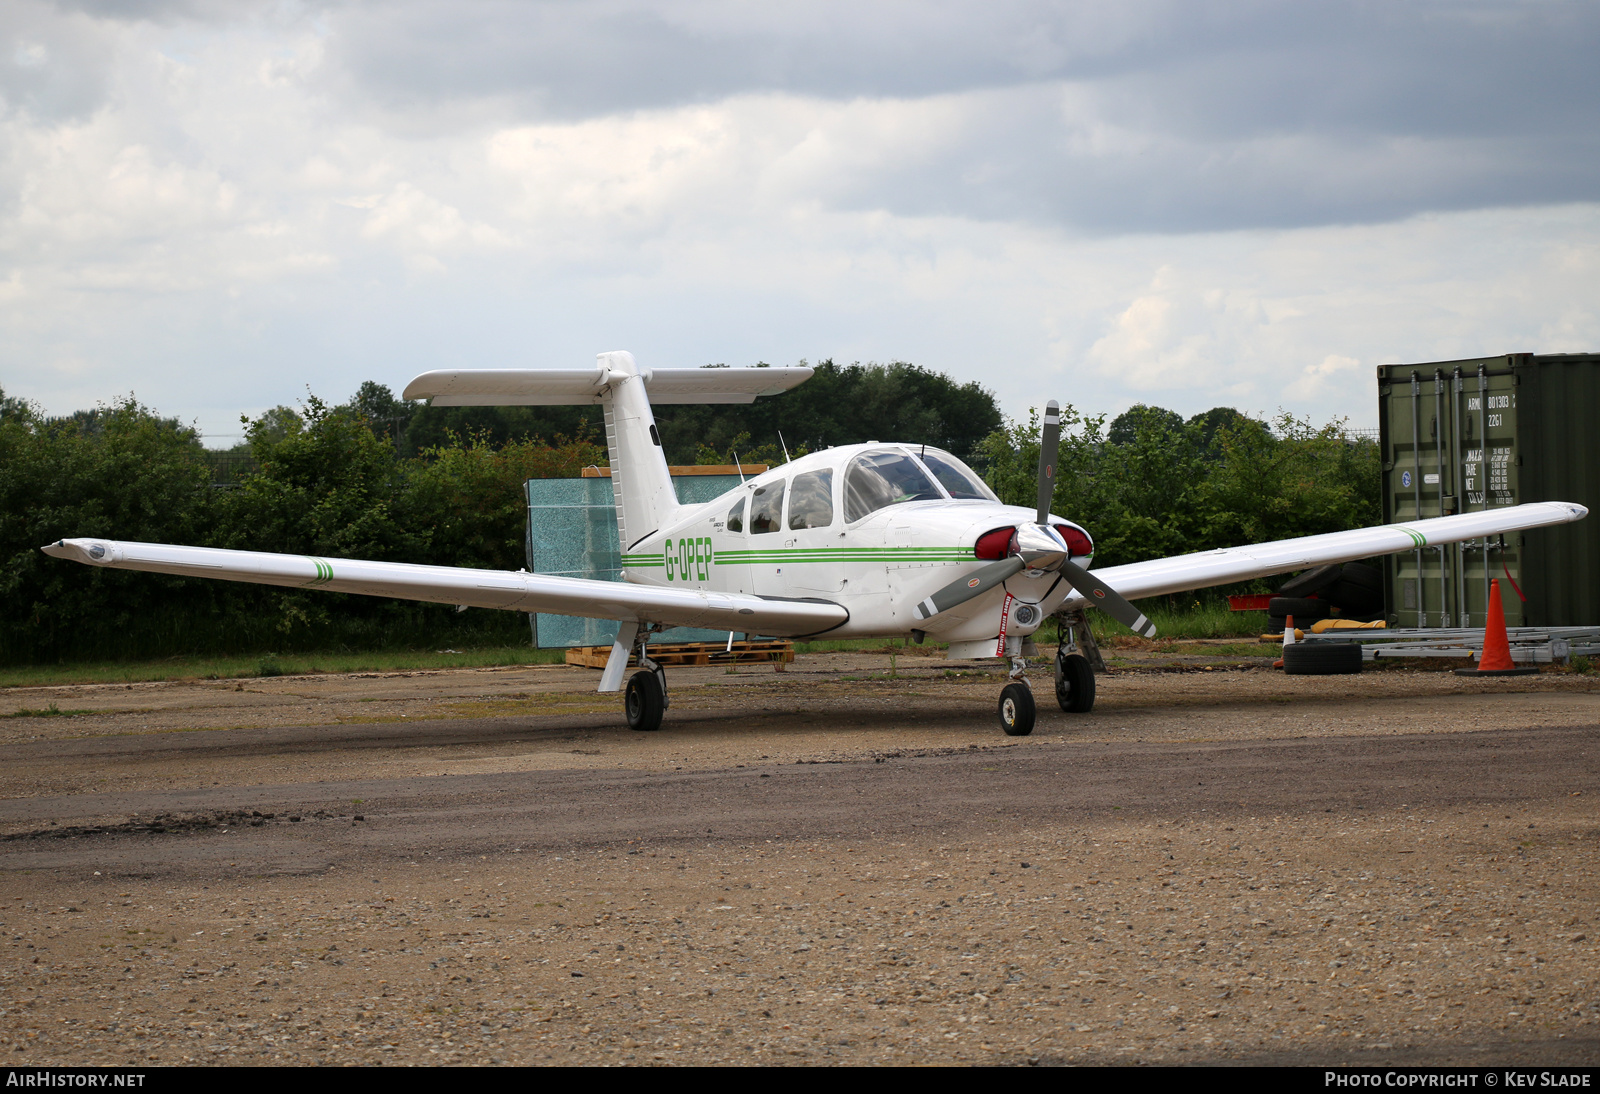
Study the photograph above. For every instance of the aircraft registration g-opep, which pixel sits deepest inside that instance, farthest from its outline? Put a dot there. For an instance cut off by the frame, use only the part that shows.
(874, 539)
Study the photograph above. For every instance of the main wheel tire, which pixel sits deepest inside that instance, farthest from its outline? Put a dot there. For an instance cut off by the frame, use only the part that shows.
(1303, 610)
(1074, 684)
(1322, 659)
(1017, 712)
(1356, 599)
(645, 701)
(1312, 581)
(1359, 573)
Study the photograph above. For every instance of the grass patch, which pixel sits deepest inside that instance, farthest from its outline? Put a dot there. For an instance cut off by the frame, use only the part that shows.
(51, 711)
(1248, 649)
(1174, 617)
(228, 668)
(1178, 617)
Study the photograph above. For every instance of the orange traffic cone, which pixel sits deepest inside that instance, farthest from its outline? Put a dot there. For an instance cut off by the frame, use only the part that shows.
(1496, 658)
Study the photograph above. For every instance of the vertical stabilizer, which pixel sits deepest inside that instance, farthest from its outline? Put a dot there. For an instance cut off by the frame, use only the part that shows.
(639, 476)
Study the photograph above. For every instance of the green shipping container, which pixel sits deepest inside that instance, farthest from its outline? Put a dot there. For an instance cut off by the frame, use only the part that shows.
(1463, 436)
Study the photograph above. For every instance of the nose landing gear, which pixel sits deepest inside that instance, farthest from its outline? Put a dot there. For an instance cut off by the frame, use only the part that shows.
(1017, 709)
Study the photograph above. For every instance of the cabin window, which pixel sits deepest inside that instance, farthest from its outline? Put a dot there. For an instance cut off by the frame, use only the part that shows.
(811, 500)
(955, 476)
(766, 508)
(736, 517)
(880, 479)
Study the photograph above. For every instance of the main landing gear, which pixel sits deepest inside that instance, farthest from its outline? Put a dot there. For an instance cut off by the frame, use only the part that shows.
(1074, 682)
(1075, 665)
(646, 698)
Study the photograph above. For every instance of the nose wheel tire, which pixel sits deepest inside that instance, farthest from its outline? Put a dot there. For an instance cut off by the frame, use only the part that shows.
(1017, 710)
(645, 701)
(1075, 684)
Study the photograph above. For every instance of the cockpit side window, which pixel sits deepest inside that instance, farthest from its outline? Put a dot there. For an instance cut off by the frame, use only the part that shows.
(736, 517)
(879, 479)
(811, 500)
(955, 476)
(766, 508)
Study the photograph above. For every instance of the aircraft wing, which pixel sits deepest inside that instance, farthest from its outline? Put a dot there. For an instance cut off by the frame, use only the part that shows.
(1202, 569)
(512, 591)
(575, 386)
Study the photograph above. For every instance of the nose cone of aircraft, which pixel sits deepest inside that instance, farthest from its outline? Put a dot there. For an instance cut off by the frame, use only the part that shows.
(1040, 547)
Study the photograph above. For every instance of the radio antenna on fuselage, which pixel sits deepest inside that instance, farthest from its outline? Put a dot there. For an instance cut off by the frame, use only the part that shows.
(783, 446)
(740, 466)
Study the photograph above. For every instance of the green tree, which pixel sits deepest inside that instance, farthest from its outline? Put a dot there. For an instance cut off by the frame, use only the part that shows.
(469, 495)
(1297, 480)
(376, 404)
(1166, 487)
(841, 404)
(120, 473)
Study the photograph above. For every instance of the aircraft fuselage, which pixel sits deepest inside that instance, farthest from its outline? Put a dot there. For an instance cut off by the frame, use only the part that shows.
(879, 566)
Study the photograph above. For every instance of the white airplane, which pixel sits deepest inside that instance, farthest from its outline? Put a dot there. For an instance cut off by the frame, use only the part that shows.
(862, 540)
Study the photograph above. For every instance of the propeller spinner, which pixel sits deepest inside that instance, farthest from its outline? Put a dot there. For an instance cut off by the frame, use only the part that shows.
(1039, 547)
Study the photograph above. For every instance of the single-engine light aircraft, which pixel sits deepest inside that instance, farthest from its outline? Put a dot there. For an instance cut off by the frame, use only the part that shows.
(857, 541)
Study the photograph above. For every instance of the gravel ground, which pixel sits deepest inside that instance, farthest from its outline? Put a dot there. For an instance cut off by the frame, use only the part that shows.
(843, 862)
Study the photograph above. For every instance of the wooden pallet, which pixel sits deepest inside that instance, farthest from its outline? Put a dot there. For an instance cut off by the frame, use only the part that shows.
(692, 653)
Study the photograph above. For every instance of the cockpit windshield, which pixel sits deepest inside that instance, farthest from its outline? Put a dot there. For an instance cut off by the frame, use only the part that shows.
(876, 480)
(956, 477)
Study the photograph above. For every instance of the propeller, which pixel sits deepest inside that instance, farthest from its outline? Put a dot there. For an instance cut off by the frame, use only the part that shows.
(1038, 546)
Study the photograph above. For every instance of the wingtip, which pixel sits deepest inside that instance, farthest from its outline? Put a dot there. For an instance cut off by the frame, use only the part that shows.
(87, 551)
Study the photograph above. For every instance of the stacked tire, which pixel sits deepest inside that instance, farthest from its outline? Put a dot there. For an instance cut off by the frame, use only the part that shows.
(1354, 589)
(1322, 658)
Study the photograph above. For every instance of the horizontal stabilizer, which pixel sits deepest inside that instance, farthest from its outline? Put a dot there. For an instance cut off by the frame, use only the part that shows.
(574, 386)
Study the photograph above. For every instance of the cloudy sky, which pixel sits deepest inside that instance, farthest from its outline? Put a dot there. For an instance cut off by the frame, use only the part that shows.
(218, 205)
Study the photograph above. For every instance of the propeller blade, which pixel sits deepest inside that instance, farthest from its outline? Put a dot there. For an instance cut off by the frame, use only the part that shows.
(1107, 599)
(1049, 448)
(964, 589)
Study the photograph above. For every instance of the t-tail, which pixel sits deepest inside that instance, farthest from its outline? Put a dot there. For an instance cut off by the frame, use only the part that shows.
(640, 480)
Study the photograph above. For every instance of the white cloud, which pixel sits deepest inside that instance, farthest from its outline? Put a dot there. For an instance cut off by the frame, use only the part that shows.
(231, 217)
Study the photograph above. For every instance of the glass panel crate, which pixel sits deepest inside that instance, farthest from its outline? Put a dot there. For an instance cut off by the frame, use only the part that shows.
(572, 532)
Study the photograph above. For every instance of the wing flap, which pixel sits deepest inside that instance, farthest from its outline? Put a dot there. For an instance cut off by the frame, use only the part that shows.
(1181, 573)
(499, 589)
